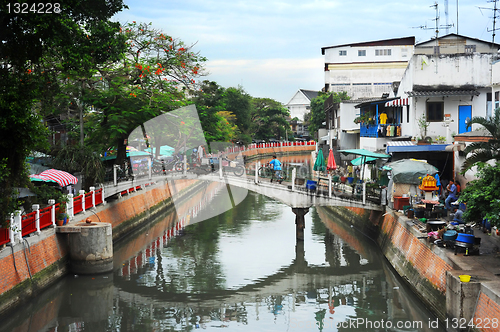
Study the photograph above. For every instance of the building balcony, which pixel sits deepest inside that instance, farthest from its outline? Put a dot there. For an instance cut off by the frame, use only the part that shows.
(378, 130)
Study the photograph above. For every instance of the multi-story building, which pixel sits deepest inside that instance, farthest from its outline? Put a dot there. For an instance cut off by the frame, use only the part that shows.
(366, 69)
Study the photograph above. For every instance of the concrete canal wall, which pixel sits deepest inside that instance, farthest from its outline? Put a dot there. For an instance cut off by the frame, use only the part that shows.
(433, 272)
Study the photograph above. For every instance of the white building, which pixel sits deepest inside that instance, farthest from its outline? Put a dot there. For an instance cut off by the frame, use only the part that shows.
(300, 103)
(366, 69)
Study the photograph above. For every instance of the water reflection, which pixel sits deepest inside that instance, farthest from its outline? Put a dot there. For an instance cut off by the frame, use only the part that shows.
(241, 270)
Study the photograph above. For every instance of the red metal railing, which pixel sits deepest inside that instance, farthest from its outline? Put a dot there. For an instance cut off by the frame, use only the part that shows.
(28, 222)
(45, 217)
(77, 204)
(88, 200)
(4, 236)
(98, 196)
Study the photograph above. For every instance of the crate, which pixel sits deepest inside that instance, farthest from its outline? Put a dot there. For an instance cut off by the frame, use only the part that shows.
(400, 202)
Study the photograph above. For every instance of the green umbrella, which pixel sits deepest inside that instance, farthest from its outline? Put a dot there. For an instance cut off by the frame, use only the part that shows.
(319, 164)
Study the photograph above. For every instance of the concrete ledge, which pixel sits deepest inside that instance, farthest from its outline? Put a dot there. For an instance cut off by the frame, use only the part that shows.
(68, 229)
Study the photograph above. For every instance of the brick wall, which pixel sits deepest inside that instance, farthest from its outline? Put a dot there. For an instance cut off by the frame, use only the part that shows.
(40, 255)
(486, 311)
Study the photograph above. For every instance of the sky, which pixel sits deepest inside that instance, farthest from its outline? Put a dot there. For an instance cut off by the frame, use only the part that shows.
(272, 48)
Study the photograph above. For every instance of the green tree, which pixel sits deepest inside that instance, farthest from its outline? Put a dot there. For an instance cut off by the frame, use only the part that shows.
(238, 102)
(79, 35)
(150, 80)
(484, 151)
(317, 116)
(481, 195)
(268, 119)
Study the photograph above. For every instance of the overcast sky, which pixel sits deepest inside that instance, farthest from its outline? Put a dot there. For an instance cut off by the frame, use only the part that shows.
(272, 48)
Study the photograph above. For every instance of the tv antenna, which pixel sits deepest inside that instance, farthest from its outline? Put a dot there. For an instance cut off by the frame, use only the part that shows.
(436, 20)
(495, 9)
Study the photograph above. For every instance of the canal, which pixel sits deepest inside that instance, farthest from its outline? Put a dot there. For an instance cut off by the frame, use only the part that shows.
(241, 270)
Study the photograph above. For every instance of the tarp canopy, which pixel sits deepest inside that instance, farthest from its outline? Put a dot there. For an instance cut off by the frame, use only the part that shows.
(365, 153)
(165, 150)
(410, 170)
(358, 161)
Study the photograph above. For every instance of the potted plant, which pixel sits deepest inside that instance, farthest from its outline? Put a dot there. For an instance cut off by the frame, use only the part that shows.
(62, 216)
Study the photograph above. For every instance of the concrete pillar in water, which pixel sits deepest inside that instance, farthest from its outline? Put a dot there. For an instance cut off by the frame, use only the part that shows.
(300, 222)
(91, 248)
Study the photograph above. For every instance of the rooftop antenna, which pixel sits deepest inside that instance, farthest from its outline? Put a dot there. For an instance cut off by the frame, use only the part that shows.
(495, 9)
(446, 15)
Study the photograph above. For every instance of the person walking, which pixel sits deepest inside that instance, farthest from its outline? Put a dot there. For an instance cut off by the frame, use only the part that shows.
(276, 166)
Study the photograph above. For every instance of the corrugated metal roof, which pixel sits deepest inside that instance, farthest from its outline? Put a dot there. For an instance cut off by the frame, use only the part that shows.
(310, 94)
(440, 93)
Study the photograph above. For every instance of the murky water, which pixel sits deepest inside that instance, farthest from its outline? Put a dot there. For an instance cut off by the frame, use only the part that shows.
(239, 271)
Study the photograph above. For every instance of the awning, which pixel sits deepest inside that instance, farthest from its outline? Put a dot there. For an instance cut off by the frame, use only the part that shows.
(416, 148)
(442, 93)
(397, 102)
(351, 131)
(363, 152)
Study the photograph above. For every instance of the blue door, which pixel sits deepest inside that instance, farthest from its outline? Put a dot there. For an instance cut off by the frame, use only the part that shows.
(464, 116)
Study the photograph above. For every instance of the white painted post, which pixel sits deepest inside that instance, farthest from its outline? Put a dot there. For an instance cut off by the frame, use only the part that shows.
(52, 203)
(329, 185)
(82, 192)
(115, 180)
(257, 167)
(150, 173)
(11, 229)
(220, 168)
(92, 189)
(364, 193)
(184, 163)
(70, 206)
(18, 226)
(294, 176)
(36, 207)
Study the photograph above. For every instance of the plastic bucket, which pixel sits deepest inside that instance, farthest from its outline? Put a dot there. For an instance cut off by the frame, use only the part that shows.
(464, 278)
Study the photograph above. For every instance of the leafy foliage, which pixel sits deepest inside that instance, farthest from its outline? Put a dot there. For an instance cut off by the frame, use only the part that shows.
(484, 151)
(317, 114)
(269, 119)
(78, 37)
(481, 195)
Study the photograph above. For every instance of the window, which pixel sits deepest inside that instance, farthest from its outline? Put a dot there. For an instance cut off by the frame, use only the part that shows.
(470, 48)
(385, 52)
(361, 52)
(435, 111)
(342, 52)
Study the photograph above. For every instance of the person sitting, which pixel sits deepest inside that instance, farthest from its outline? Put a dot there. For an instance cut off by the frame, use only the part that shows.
(459, 188)
(452, 195)
(459, 216)
(276, 166)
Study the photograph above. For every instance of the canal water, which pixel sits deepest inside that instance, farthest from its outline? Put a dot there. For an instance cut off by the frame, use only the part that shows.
(242, 270)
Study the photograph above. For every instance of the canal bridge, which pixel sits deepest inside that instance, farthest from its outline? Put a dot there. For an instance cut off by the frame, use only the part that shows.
(299, 198)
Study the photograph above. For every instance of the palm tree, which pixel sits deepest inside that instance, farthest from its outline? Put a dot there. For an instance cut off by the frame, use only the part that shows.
(488, 150)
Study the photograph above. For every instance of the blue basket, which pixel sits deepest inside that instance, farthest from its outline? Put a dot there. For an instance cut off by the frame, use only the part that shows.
(311, 185)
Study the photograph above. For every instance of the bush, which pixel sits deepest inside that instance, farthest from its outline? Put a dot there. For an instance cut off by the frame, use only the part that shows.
(481, 195)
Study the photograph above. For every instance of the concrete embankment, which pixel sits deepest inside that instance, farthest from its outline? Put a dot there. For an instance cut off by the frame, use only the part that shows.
(433, 272)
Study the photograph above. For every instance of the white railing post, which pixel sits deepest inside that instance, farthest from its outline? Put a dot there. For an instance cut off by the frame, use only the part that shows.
(103, 196)
(364, 193)
(11, 229)
(70, 206)
(329, 185)
(294, 176)
(115, 180)
(184, 163)
(17, 231)
(150, 173)
(52, 203)
(82, 192)
(36, 207)
(220, 168)
(92, 189)
(257, 167)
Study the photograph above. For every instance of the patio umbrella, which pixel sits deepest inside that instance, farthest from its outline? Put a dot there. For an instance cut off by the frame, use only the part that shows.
(331, 161)
(61, 177)
(319, 164)
(358, 161)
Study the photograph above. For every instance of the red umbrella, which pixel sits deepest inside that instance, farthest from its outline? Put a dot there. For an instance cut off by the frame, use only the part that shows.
(61, 177)
(331, 162)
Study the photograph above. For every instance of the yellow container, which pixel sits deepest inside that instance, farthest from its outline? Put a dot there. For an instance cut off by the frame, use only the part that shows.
(464, 278)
